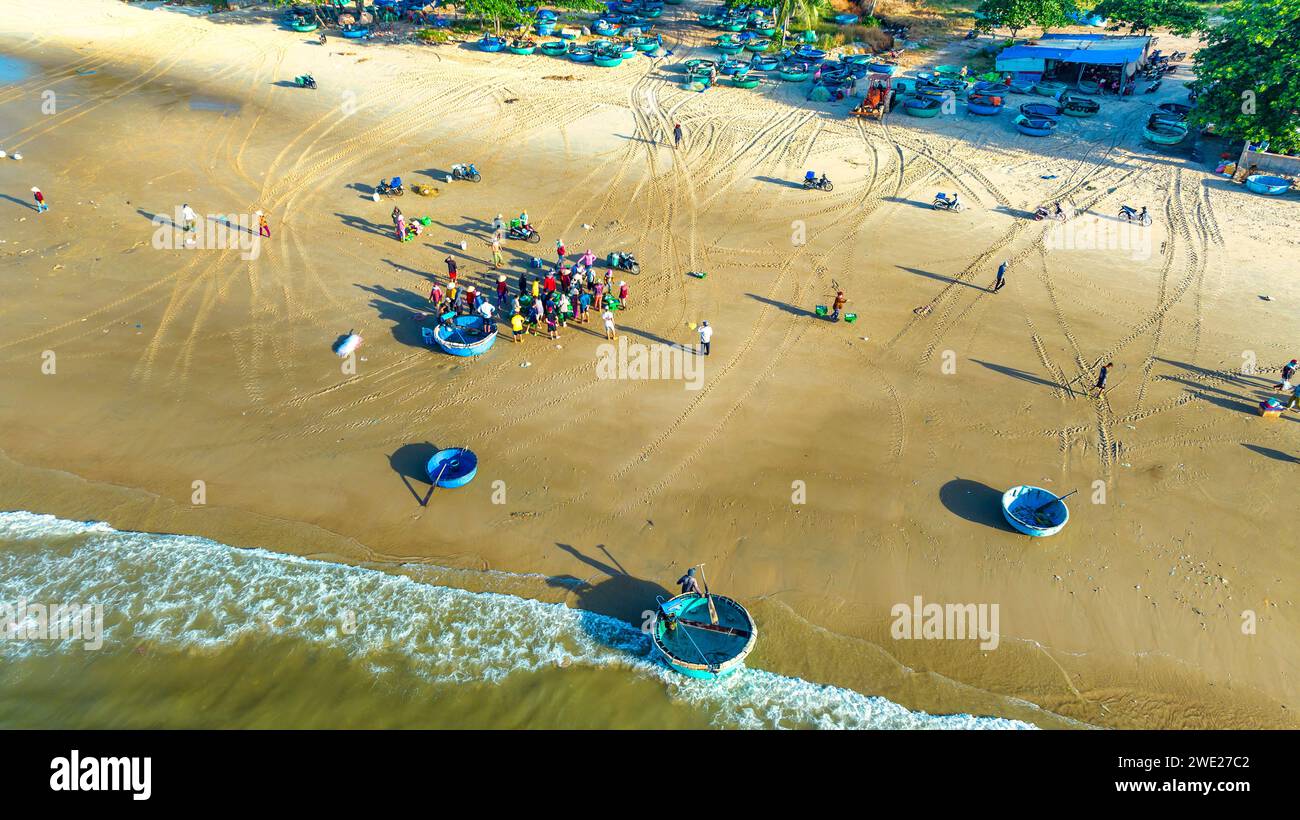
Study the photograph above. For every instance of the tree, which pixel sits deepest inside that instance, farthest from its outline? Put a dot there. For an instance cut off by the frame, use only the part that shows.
(1019, 14)
(1180, 16)
(803, 12)
(1247, 81)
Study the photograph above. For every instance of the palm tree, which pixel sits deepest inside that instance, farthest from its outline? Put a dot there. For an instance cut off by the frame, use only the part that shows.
(804, 11)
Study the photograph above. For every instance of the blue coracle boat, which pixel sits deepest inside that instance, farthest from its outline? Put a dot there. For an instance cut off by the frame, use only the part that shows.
(683, 633)
(1020, 506)
(465, 336)
(452, 467)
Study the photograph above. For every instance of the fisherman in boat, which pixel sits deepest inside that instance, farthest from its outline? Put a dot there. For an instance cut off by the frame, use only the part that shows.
(689, 583)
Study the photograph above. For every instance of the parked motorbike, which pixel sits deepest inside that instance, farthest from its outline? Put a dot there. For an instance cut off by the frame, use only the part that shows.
(305, 81)
(624, 261)
(943, 203)
(393, 188)
(822, 184)
(1055, 211)
(1131, 214)
(465, 171)
(525, 232)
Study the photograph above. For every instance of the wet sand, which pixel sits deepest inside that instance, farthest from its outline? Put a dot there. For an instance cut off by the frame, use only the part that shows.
(177, 366)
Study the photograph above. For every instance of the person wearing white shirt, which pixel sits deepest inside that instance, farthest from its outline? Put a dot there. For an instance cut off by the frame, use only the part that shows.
(706, 335)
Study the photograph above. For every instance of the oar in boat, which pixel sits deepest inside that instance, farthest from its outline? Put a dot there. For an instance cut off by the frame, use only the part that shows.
(1038, 511)
(713, 611)
(438, 478)
(725, 630)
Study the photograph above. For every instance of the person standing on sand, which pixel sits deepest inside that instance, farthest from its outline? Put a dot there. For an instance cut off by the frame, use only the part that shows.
(503, 291)
(435, 295)
(1001, 280)
(706, 337)
(622, 294)
(263, 227)
(497, 260)
(188, 218)
(1294, 402)
(1100, 387)
(610, 331)
(1288, 370)
(41, 207)
(517, 327)
(498, 227)
(559, 253)
(677, 135)
(451, 268)
(838, 305)
(584, 305)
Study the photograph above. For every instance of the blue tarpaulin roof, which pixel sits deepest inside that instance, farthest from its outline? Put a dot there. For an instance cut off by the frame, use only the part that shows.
(1089, 49)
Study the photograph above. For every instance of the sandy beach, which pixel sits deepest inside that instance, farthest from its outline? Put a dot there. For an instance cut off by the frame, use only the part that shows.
(823, 472)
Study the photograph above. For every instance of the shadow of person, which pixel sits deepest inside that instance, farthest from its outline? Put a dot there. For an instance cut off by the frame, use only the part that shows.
(975, 502)
(618, 594)
(410, 462)
(1277, 455)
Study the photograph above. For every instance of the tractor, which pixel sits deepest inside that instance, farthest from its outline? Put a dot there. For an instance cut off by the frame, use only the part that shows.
(877, 102)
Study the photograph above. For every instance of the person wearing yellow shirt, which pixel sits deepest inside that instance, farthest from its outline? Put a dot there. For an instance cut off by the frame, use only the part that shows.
(517, 328)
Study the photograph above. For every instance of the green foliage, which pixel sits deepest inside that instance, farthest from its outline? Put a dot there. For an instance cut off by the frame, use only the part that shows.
(1181, 16)
(1019, 14)
(1247, 77)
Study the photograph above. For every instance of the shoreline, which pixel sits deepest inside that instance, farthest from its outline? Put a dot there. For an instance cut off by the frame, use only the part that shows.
(257, 516)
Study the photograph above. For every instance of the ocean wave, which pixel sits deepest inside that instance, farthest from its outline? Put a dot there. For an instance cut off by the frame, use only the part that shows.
(196, 594)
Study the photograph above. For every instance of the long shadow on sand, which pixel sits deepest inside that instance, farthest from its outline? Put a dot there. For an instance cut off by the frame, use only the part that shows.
(914, 203)
(784, 306)
(782, 182)
(1277, 455)
(403, 308)
(26, 204)
(362, 224)
(617, 594)
(410, 462)
(1015, 373)
(974, 502)
(950, 280)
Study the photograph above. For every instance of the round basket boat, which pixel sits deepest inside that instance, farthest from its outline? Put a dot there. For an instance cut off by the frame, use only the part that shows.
(452, 467)
(765, 30)
(1089, 87)
(684, 635)
(545, 28)
(555, 48)
(1049, 88)
(305, 26)
(627, 50)
(522, 46)
(728, 46)
(1040, 110)
(809, 54)
(846, 19)
(1035, 126)
(758, 44)
(710, 20)
(489, 43)
(732, 25)
(1163, 132)
(922, 106)
(1078, 107)
(764, 62)
(984, 104)
(731, 67)
(1175, 109)
(1268, 185)
(652, 13)
(949, 70)
(580, 54)
(355, 33)
(741, 81)
(604, 28)
(647, 42)
(882, 68)
(1021, 507)
(466, 336)
(607, 59)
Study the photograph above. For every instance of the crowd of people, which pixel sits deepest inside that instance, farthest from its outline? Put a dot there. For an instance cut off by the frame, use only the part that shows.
(546, 297)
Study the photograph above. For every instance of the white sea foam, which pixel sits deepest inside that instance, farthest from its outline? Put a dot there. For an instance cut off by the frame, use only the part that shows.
(194, 593)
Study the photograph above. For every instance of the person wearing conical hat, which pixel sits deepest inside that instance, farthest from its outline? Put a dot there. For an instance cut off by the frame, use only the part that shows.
(41, 206)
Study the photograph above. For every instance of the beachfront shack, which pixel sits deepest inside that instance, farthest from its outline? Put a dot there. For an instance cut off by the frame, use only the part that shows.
(1106, 60)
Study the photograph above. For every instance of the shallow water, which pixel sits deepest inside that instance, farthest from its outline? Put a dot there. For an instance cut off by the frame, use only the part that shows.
(199, 634)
